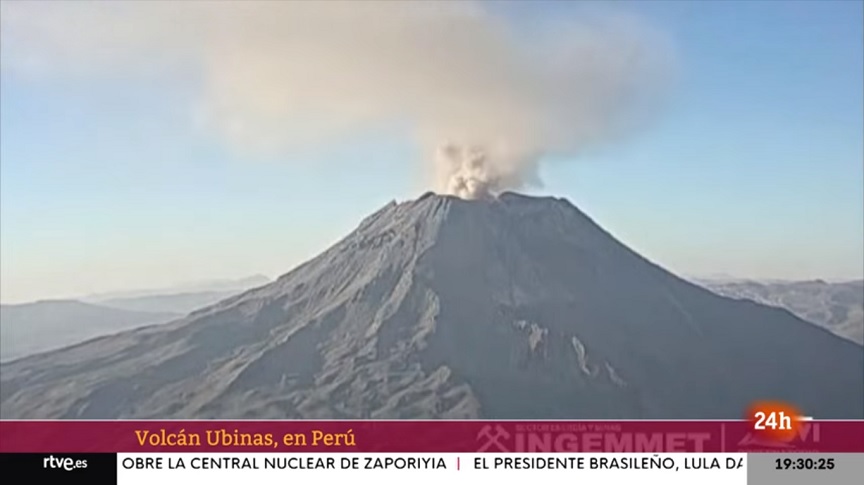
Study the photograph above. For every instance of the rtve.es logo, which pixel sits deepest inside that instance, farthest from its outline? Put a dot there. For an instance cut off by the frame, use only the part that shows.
(68, 464)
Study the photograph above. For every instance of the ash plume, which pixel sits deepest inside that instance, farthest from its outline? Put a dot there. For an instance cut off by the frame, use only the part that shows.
(486, 100)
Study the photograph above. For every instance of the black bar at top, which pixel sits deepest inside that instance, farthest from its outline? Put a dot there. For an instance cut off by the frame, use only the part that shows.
(89, 468)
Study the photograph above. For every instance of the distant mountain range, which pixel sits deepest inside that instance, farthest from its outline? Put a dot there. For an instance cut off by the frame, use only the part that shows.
(31, 328)
(40, 326)
(839, 307)
(180, 303)
(514, 307)
(223, 286)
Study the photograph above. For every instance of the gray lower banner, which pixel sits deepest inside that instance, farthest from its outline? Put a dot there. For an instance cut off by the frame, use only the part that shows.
(805, 468)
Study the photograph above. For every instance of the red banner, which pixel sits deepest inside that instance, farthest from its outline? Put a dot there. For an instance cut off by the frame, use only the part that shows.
(421, 436)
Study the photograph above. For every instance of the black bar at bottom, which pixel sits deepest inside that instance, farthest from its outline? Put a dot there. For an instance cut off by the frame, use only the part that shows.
(60, 468)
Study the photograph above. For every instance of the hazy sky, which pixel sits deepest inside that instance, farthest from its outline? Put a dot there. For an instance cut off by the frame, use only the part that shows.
(110, 180)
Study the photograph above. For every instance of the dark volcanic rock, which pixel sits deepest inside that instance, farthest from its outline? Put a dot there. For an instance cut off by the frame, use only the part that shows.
(517, 307)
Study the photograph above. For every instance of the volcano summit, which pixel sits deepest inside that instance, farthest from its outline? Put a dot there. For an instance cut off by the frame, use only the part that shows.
(511, 307)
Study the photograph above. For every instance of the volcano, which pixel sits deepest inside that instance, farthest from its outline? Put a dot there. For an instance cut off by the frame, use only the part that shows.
(511, 307)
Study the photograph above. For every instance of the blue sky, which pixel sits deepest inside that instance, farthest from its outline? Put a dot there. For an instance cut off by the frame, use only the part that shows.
(754, 168)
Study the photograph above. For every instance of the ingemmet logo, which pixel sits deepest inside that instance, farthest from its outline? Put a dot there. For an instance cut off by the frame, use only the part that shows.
(499, 438)
(493, 438)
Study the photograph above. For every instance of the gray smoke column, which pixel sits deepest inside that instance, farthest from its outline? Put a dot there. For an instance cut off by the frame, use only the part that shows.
(486, 98)
(472, 172)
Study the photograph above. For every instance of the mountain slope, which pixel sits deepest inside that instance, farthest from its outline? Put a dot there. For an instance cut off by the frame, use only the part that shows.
(839, 307)
(516, 307)
(31, 328)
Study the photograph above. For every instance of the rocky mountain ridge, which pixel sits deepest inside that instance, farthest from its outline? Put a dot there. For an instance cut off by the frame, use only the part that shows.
(515, 307)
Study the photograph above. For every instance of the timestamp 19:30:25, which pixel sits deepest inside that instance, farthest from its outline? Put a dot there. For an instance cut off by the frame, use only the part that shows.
(804, 464)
